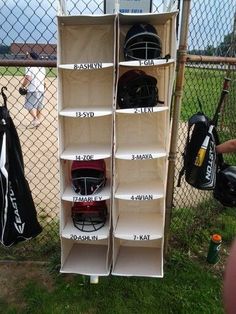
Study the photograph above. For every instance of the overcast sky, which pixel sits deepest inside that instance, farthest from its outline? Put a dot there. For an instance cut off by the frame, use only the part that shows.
(35, 20)
(210, 21)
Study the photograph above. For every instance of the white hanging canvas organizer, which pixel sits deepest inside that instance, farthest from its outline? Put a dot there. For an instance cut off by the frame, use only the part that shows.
(132, 142)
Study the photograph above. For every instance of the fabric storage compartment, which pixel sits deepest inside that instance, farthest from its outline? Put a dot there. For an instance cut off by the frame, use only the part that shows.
(86, 93)
(164, 24)
(86, 39)
(85, 257)
(67, 191)
(93, 232)
(86, 139)
(134, 258)
(145, 138)
(140, 179)
(139, 220)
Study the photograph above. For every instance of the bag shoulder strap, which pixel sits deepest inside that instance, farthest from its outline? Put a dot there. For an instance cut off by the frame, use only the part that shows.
(4, 114)
(181, 173)
(4, 96)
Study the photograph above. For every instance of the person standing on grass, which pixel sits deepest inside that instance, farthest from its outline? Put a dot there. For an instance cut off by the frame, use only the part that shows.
(229, 286)
(34, 82)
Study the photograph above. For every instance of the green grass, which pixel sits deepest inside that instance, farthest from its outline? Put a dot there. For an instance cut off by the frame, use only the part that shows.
(205, 85)
(192, 227)
(20, 71)
(187, 287)
(190, 284)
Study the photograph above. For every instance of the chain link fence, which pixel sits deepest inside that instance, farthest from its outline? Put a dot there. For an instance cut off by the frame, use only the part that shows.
(32, 24)
(212, 32)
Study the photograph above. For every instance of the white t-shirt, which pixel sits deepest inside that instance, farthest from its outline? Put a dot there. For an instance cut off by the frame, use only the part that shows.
(37, 75)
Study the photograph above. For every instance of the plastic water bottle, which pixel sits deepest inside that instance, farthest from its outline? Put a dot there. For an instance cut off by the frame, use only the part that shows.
(214, 247)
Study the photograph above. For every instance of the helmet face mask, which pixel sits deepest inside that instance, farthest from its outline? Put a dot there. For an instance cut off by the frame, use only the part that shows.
(88, 177)
(136, 90)
(225, 190)
(89, 216)
(142, 42)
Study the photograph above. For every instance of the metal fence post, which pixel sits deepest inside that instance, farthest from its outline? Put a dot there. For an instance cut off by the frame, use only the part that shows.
(181, 59)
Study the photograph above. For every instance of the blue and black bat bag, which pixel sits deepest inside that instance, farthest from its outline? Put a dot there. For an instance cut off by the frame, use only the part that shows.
(18, 217)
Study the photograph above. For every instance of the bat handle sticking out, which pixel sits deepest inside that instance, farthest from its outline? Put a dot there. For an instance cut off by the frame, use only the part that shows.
(226, 84)
(224, 93)
(202, 151)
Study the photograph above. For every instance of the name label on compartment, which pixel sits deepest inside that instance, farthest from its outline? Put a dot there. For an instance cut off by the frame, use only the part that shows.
(84, 157)
(87, 198)
(142, 197)
(141, 237)
(144, 110)
(142, 156)
(88, 66)
(83, 238)
(84, 114)
(146, 62)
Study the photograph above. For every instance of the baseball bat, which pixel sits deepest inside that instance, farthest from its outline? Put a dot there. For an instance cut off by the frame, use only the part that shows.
(202, 151)
(224, 92)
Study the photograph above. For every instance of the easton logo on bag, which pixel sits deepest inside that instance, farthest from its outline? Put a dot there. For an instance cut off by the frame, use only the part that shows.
(199, 156)
(18, 215)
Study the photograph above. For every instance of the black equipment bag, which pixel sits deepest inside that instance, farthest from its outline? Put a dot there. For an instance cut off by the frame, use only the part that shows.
(225, 189)
(200, 161)
(18, 217)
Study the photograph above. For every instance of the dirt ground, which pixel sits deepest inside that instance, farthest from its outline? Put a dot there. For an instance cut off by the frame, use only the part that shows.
(13, 277)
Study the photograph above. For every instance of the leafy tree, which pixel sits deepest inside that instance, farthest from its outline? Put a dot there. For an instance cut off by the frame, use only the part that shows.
(224, 47)
(4, 49)
(210, 50)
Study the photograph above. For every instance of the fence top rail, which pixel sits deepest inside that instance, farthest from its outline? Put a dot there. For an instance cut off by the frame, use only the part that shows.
(210, 59)
(32, 63)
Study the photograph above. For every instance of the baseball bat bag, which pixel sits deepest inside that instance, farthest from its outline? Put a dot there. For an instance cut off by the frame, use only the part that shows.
(199, 156)
(18, 216)
(201, 161)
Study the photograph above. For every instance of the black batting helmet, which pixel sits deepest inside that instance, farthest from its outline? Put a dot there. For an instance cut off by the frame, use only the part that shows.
(137, 89)
(142, 42)
(225, 189)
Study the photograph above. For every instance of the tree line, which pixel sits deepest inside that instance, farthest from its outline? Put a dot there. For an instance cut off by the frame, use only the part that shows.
(227, 48)
(4, 49)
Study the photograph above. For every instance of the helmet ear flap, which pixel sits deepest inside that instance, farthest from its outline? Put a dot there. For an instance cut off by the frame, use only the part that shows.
(124, 98)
